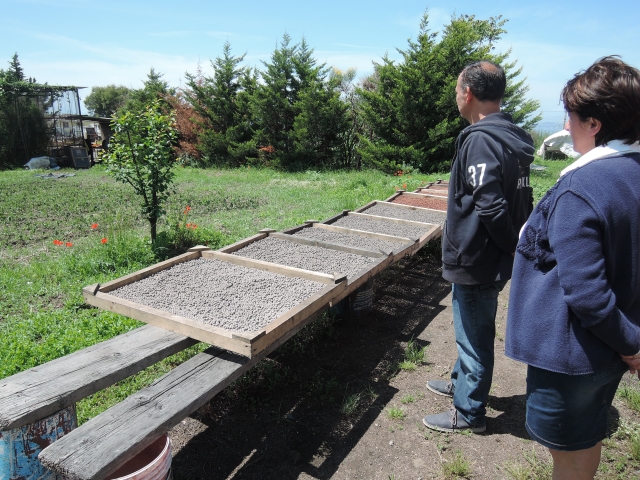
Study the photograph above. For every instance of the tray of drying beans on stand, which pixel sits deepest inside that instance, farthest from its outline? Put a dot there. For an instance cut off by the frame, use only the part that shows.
(354, 263)
(237, 304)
(421, 198)
(410, 223)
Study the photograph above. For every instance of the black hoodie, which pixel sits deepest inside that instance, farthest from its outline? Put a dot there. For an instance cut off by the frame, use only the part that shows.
(489, 200)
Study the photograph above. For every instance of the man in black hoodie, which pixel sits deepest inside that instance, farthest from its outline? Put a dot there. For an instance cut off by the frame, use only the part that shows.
(489, 201)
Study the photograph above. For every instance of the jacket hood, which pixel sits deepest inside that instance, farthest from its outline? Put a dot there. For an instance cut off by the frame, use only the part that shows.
(501, 128)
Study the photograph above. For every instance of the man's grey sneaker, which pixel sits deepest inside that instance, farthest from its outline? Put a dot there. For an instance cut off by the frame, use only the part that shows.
(441, 387)
(451, 422)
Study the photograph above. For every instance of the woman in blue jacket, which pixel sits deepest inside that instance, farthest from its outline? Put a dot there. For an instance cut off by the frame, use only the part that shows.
(574, 310)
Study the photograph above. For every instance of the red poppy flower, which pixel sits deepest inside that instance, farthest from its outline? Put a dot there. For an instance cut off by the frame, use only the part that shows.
(94, 226)
(57, 242)
(69, 244)
(104, 240)
(186, 210)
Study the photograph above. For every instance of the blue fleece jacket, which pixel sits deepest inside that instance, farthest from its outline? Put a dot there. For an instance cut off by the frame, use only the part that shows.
(575, 291)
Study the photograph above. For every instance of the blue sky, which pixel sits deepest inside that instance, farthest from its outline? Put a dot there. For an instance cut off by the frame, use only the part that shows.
(91, 43)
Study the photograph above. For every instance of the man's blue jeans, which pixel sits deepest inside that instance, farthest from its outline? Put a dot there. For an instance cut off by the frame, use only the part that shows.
(474, 323)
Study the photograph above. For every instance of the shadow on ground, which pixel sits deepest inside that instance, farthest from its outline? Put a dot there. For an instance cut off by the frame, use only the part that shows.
(286, 417)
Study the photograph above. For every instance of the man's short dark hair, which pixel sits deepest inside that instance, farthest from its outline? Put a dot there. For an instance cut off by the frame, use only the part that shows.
(609, 91)
(485, 79)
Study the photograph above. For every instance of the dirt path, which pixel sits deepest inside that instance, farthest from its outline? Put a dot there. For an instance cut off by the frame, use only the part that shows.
(285, 421)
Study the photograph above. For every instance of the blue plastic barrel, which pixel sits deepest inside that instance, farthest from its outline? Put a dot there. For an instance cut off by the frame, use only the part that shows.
(19, 448)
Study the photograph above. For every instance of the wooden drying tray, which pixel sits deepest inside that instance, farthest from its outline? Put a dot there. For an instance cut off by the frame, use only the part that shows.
(433, 230)
(353, 281)
(416, 194)
(405, 245)
(422, 190)
(248, 344)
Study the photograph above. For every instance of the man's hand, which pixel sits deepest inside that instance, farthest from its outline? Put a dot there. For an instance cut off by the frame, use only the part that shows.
(634, 363)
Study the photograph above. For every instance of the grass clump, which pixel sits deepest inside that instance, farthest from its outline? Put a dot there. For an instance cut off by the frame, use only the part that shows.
(413, 356)
(458, 467)
(408, 399)
(396, 413)
(630, 394)
(407, 365)
(350, 404)
(413, 352)
(621, 452)
(536, 468)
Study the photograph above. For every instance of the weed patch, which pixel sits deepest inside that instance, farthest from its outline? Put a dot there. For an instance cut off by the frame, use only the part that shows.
(457, 467)
(396, 413)
(630, 393)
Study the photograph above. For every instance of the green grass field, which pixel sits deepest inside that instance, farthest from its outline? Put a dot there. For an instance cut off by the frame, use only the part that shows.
(42, 313)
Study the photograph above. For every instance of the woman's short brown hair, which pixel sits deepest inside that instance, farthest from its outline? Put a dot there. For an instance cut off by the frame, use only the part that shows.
(609, 91)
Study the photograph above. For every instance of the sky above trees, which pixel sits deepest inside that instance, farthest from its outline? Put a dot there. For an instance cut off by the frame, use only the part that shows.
(95, 44)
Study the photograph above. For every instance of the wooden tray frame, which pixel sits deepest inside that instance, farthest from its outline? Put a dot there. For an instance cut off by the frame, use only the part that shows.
(353, 281)
(415, 194)
(434, 231)
(248, 344)
(421, 190)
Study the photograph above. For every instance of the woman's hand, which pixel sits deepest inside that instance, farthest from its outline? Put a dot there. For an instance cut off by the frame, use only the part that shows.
(634, 363)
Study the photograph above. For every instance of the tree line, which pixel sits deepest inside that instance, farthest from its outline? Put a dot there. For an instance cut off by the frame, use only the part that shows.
(296, 113)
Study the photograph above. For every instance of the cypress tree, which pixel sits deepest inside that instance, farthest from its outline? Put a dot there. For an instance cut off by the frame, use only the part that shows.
(223, 102)
(411, 109)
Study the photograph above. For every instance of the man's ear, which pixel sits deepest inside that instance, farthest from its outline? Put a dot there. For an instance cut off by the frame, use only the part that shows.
(468, 94)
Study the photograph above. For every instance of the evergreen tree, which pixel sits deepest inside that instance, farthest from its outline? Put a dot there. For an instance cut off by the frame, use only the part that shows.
(411, 109)
(154, 88)
(222, 101)
(274, 102)
(299, 110)
(15, 72)
(24, 133)
(319, 127)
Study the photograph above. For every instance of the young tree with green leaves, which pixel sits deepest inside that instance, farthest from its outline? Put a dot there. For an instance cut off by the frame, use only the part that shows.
(411, 109)
(355, 125)
(105, 101)
(141, 154)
